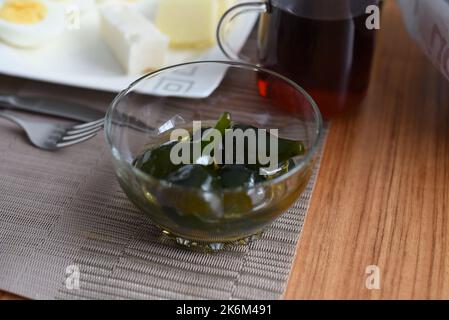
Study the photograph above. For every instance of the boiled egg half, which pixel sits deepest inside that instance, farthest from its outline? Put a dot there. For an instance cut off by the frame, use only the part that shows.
(30, 23)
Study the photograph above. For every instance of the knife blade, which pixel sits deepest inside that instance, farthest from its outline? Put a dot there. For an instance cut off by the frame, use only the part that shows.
(49, 106)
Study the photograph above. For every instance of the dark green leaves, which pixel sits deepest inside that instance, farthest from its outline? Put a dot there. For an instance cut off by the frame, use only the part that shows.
(195, 176)
(223, 123)
(157, 163)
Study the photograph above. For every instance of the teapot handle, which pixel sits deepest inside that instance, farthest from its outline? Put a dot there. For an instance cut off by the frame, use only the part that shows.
(228, 17)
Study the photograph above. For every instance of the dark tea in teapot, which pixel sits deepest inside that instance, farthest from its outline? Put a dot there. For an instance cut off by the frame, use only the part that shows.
(326, 46)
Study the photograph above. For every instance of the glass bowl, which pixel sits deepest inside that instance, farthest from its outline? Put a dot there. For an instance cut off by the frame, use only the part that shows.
(141, 115)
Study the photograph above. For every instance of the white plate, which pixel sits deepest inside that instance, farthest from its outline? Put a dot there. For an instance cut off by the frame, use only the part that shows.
(80, 58)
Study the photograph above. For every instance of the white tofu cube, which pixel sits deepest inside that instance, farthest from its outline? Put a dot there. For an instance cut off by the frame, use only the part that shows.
(135, 41)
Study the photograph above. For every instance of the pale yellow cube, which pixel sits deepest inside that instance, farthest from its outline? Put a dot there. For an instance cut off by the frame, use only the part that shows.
(190, 23)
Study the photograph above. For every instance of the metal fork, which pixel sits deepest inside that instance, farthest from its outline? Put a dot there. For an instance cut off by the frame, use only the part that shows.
(54, 136)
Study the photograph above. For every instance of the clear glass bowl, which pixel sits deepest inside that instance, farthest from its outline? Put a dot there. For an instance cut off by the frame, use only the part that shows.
(136, 121)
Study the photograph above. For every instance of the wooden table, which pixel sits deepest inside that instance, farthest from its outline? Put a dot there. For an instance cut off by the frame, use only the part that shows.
(382, 195)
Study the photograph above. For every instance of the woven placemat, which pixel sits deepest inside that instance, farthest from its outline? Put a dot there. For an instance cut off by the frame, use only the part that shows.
(63, 214)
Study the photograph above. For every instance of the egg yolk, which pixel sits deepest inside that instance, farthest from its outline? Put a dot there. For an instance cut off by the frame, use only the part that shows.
(23, 11)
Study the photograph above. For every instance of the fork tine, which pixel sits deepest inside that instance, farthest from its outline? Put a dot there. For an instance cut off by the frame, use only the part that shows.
(72, 142)
(68, 136)
(85, 129)
(88, 124)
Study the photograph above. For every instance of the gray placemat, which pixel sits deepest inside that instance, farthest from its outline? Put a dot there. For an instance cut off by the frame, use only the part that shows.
(62, 214)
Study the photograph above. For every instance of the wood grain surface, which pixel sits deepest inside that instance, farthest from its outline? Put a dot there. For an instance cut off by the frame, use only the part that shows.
(382, 195)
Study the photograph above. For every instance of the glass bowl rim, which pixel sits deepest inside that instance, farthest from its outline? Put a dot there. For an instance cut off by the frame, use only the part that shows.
(247, 66)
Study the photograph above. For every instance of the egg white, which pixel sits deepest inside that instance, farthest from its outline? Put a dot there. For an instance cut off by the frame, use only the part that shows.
(35, 34)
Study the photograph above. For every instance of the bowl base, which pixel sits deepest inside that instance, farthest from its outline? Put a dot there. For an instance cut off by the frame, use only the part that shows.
(209, 246)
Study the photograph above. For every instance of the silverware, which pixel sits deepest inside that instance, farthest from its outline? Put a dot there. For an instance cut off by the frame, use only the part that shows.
(53, 136)
(49, 106)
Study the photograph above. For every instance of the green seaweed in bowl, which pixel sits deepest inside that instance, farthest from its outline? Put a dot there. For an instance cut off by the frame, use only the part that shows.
(156, 161)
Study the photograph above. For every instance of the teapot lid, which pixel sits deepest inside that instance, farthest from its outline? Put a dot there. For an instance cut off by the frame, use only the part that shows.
(324, 9)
